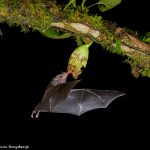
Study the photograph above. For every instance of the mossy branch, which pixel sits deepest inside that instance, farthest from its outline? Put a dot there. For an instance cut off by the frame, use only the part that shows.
(40, 15)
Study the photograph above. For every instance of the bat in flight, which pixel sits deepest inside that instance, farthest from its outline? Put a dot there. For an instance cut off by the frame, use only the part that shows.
(60, 97)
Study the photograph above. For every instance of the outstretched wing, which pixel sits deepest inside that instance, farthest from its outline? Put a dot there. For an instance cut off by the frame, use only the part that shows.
(80, 101)
(53, 96)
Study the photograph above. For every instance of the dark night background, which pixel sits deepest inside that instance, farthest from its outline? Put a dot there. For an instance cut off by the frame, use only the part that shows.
(29, 61)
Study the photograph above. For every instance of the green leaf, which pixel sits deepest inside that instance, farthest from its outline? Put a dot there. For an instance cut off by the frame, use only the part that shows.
(147, 40)
(105, 5)
(55, 34)
(71, 2)
(147, 37)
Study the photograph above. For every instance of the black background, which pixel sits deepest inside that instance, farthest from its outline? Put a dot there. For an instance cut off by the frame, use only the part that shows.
(29, 61)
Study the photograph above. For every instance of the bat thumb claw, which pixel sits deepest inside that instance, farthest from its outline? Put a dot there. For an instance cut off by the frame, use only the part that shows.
(35, 114)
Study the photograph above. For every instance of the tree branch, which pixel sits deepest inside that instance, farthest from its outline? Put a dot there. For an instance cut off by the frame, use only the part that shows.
(41, 16)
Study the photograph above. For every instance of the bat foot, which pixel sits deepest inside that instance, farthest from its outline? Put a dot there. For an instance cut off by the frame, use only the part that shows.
(35, 114)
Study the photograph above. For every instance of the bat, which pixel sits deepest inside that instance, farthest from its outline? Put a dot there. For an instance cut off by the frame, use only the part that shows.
(60, 97)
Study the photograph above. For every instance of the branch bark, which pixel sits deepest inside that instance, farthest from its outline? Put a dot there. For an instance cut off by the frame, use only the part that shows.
(40, 16)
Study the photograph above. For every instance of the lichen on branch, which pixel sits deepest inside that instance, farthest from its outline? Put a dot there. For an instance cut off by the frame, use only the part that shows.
(25, 13)
(43, 14)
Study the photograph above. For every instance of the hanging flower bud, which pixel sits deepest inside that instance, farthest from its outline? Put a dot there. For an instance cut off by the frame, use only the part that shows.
(78, 59)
